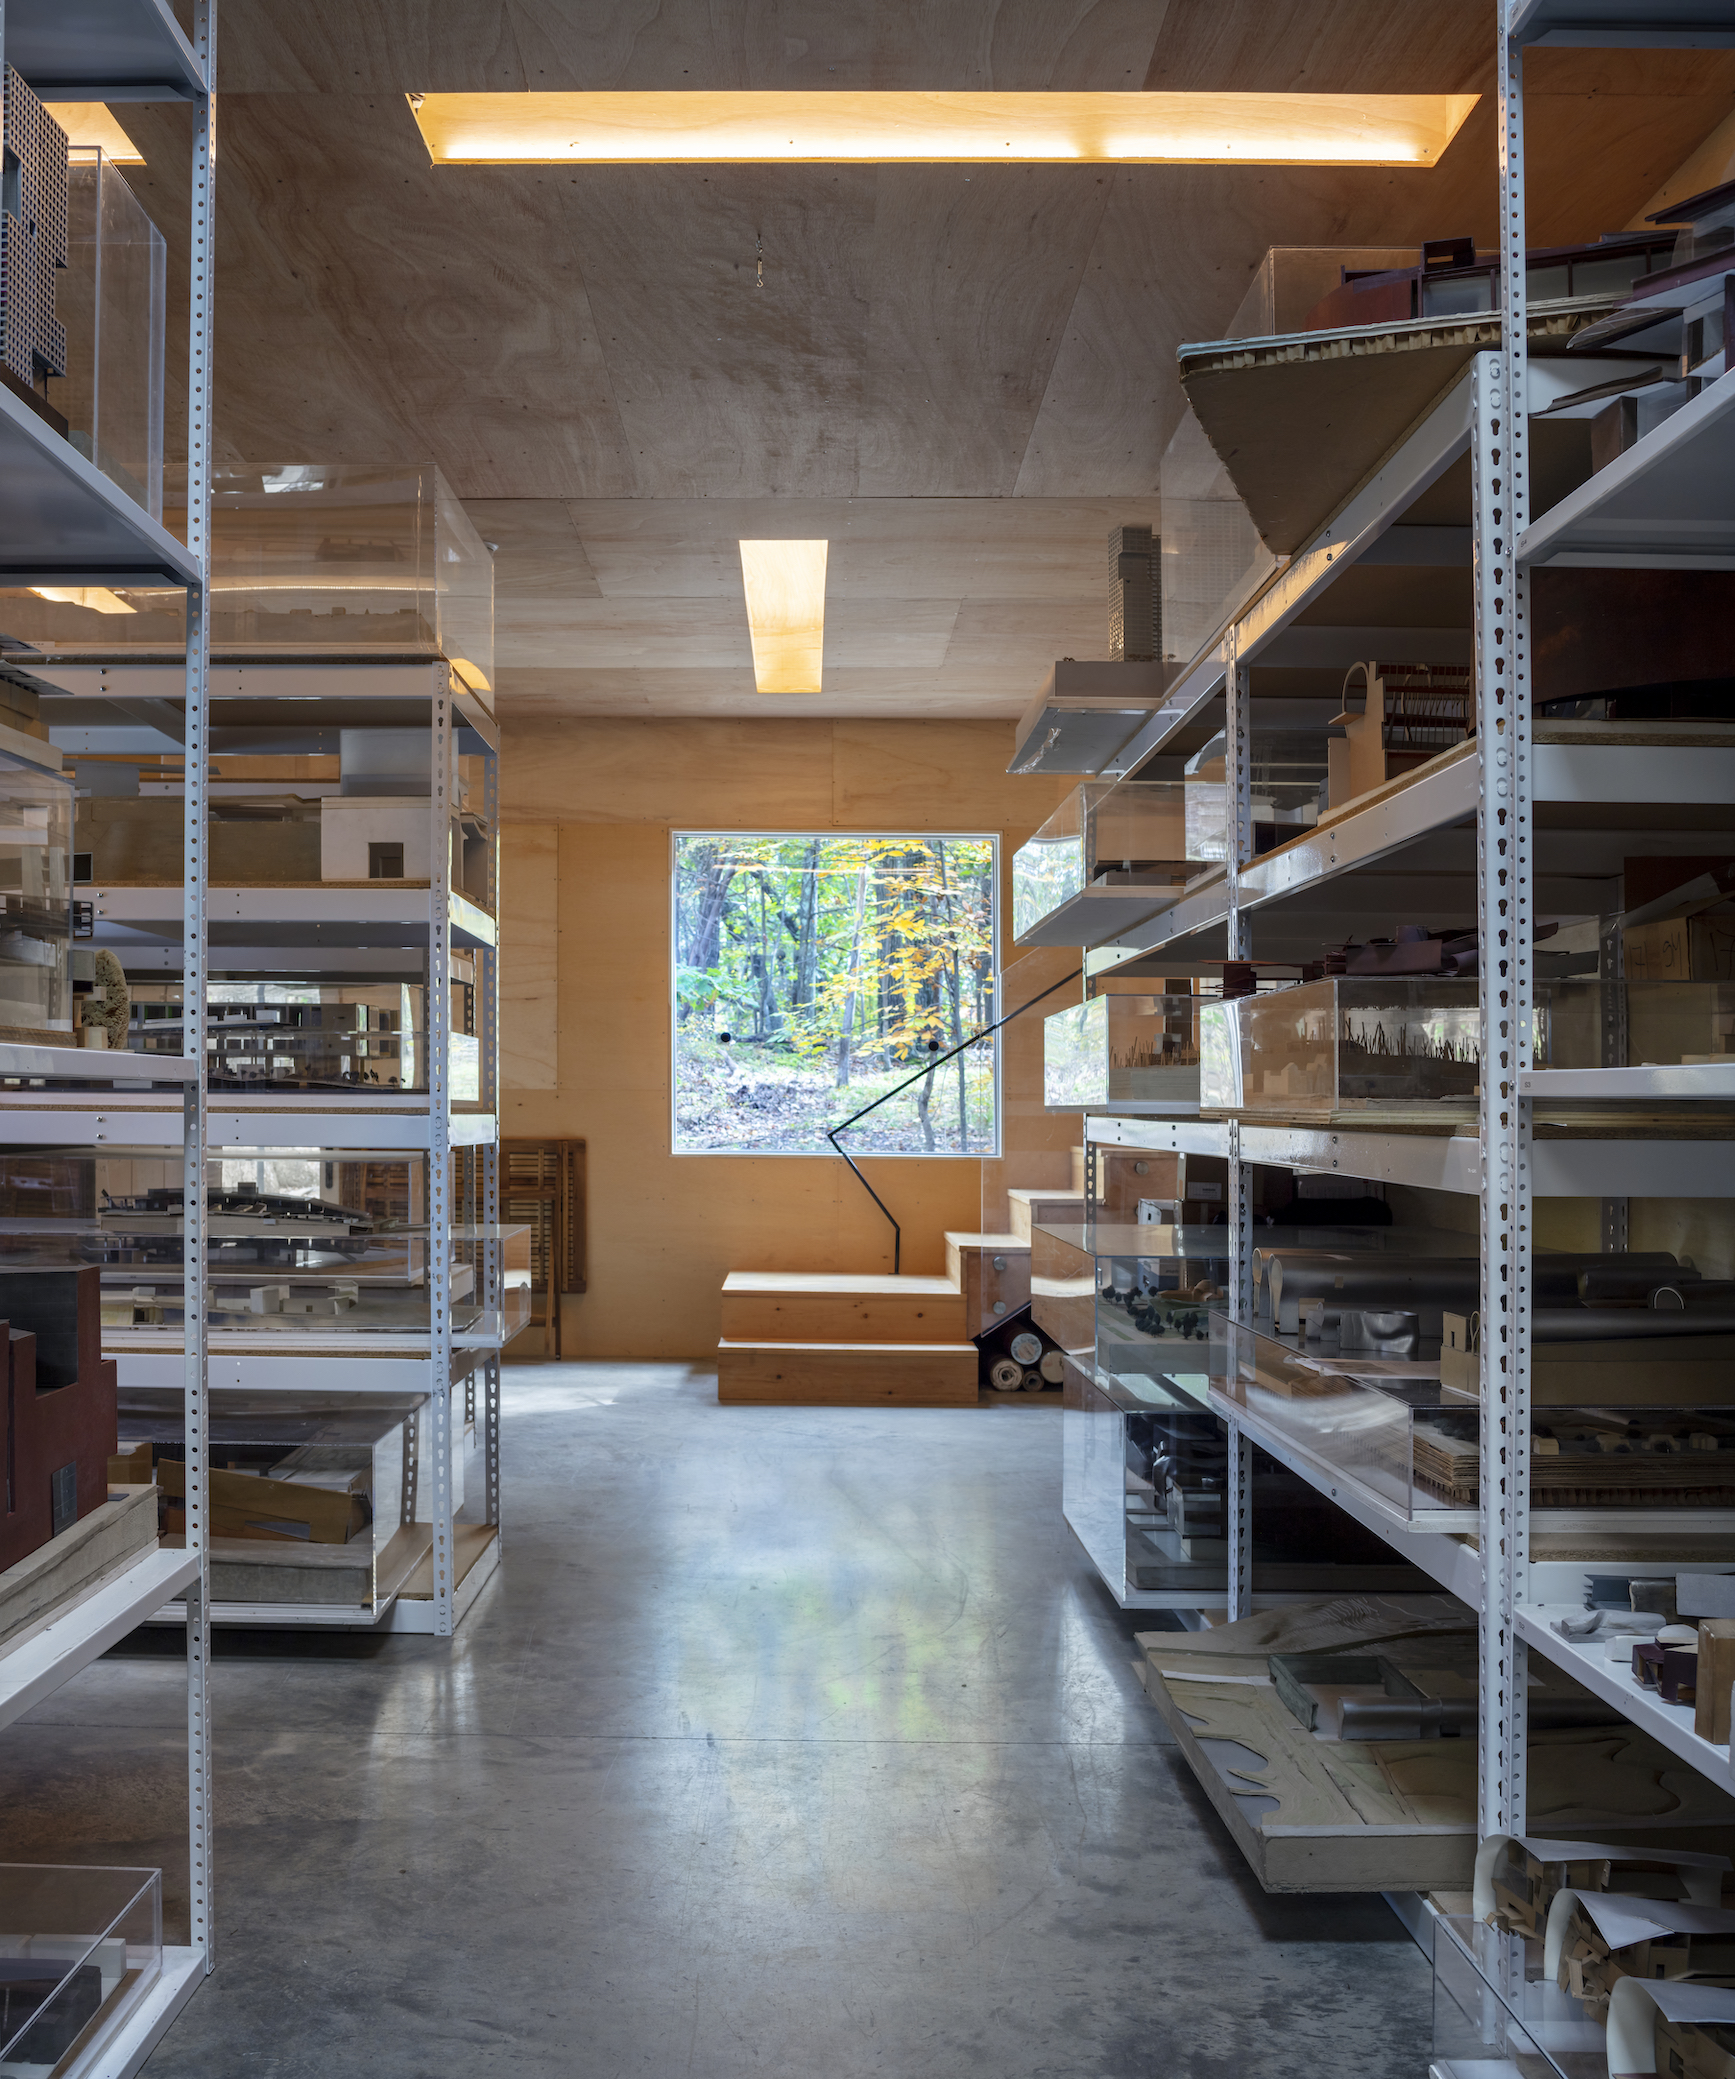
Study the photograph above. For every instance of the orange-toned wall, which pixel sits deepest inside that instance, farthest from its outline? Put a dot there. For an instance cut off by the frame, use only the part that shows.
(587, 807)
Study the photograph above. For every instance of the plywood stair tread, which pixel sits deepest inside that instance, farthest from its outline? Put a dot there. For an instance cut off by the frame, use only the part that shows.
(848, 1374)
(841, 1284)
(1007, 1244)
(862, 1349)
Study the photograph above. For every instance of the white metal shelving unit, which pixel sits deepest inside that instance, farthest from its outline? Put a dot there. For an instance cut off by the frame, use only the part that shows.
(1473, 822)
(63, 521)
(327, 928)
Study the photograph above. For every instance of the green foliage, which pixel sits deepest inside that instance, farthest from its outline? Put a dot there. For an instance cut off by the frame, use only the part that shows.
(836, 966)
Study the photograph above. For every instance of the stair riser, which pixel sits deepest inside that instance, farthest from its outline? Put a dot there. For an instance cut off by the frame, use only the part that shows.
(848, 1378)
(755, 1317)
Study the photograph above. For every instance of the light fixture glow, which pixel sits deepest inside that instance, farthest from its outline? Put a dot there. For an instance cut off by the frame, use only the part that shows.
(88, 123)
(1137, 129)
(785, 586)
(96, 599)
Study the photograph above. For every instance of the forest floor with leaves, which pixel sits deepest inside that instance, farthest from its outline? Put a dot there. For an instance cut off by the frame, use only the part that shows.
(742, 1097)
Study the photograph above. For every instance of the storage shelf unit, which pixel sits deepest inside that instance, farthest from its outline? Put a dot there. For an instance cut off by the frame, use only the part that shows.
(302, 707)
(64, 522)
(1575, 796)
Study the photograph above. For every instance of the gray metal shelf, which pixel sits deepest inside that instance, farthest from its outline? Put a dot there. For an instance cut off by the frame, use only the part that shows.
(1664, 503)
(102, 50)
(63, 522)
(1630, 24)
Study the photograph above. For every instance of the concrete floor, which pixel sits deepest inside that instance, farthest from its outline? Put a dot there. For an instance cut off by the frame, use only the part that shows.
(790, 1743)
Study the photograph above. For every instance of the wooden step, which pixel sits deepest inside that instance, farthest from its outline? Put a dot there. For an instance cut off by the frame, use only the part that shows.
(848, 1375)
(993, 1272)
(1058, 1208)
(840, 1307)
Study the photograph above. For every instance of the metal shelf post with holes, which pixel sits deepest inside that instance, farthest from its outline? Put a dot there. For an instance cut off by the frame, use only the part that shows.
(82, 1562)
(364, 1286)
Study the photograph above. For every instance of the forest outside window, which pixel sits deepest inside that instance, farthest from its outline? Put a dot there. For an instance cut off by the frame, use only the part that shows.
(814, 973)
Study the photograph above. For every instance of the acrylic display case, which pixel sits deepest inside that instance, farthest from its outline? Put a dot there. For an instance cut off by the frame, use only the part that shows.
(306, 1250)
(1108, 857)
(329, 1037)
(354, 815)
(112, 298)
(309, 560)
(80, 1950)
(1286, 798)
(1115, 853)
(1352, 1042)
(1366, 1400)
(315, 1502)
(1496, 2014)
(1123, 1053)
(35, 891)
(1144, 1456)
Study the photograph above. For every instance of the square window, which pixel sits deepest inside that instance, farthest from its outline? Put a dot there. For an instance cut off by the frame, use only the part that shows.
(815, 974)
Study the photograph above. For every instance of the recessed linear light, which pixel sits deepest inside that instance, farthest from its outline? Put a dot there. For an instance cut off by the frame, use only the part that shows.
(1137, 129)
(785, 586)
(89, 122)
(96, 599)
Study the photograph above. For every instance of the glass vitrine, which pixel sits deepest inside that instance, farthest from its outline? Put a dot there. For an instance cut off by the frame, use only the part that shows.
(307, 1247)
(80, 1950)
(1144, 1455)
(1122, 1052)
(308, 560)
(1110, 855)
(35, 895)
(112, 298)
(1356, 1042)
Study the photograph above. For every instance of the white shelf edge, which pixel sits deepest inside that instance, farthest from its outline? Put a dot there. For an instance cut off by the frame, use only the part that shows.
(1670, 1725)
(1436, 1161)
(90, 1065)
(87, 1628)
(124, 2054)
(1457, 1567)
(1184, 1136)
(382, 1134)
(1705, 1080)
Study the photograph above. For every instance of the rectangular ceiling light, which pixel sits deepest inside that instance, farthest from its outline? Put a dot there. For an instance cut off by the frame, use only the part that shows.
(785, 586)
(89, 122)
(973, 129)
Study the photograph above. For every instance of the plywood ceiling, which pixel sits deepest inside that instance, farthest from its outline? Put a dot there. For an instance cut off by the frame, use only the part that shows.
(960, 376)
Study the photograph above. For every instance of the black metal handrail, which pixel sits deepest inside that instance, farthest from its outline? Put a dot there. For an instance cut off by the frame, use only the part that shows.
(939, 1061)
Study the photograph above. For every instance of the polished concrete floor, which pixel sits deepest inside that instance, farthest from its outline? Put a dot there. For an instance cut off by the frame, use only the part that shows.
(791, 1743)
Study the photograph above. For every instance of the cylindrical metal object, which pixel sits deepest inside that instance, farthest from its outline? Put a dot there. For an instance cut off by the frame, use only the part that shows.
(1053, 1367)
(1026, 1347)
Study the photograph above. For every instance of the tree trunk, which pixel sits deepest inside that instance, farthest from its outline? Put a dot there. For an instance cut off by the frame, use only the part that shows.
(956, 981)
(847, 1023)
(924, 1097)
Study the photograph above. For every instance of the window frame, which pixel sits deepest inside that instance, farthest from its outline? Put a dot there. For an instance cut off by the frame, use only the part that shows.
(991, 838)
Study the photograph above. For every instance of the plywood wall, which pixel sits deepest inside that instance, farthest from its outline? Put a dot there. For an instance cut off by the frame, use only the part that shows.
(587, 808)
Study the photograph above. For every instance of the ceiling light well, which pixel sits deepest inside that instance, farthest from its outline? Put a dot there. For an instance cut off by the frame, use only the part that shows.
(785, 586)
(91, 123)
(699, 127)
